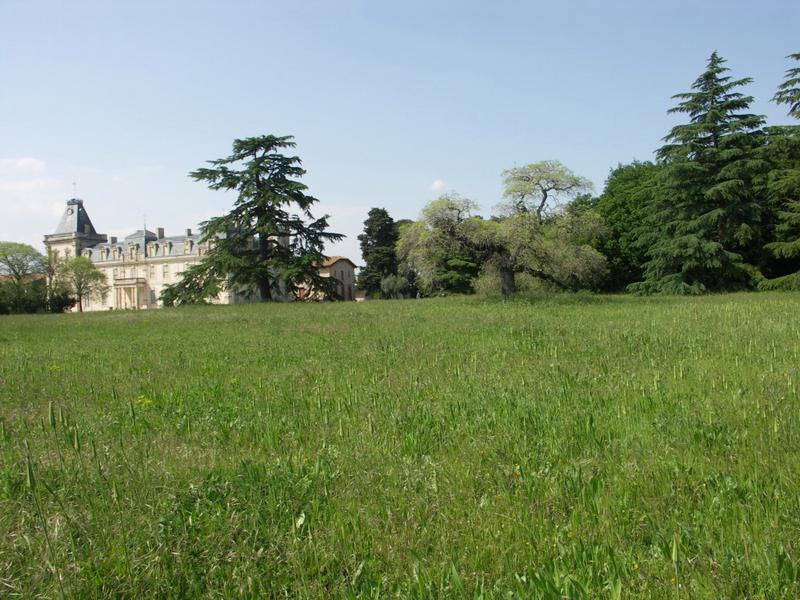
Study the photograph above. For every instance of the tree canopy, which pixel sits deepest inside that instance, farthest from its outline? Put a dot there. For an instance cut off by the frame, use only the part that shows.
(529, 189)
(80, 278)
(703, 227)
(22, 267)
(378, 243)
(269, 244)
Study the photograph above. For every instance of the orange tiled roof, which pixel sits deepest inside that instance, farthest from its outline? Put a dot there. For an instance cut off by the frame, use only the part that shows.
(331, 260)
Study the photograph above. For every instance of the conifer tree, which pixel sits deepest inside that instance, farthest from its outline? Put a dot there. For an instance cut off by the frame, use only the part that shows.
(378, 250)
(783, 183)
(703, 230)
(269, 241)
(789, 91)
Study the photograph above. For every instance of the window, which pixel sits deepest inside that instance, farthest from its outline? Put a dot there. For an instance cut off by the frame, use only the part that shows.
(165, 272)
(152, 271)
(116, 272)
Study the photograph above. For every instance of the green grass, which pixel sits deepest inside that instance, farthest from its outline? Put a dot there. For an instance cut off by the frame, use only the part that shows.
(576, 446)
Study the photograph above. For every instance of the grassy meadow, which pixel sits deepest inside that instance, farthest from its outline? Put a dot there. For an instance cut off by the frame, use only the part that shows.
(570, 446)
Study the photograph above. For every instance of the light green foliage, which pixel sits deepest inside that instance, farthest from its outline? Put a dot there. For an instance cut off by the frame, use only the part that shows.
(20, 261)
(528, 189)
(21, 290)
(446, 448)
(394, 286)
(559, 252)
(437, 249)
(79, 278)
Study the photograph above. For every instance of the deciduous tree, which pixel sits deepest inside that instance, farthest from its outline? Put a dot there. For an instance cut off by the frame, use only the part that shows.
(21, 264)
(531, 188)
(80, 278)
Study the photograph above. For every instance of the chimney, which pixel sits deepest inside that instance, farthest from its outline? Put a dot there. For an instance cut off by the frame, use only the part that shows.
(188, 233)
(160, 233)
(113, 239)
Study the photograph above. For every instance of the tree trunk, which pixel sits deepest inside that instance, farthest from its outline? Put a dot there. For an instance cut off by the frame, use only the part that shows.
(80, 303)
(509, 281)
(265, 290)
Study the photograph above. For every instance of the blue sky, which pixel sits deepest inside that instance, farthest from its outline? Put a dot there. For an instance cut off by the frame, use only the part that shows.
(391, 103)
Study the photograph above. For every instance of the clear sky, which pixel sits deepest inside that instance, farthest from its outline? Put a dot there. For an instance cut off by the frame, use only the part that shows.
(391, 102)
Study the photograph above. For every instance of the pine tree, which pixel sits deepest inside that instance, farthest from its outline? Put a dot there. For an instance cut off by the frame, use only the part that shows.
(378, 250)
(269, 241)
(703, 232)
(783, 183)
(789, 91)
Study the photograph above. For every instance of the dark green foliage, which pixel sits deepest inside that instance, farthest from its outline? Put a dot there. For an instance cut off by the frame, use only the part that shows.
(783, 189)
(783, 185)
(269, 244)
(704, 226)
(789, 91)
(59, 302)
(378, 251)
(623, 205)
(30, 297)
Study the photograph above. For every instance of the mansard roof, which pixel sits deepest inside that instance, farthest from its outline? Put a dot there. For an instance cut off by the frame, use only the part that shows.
(137, 235)
(75, 220)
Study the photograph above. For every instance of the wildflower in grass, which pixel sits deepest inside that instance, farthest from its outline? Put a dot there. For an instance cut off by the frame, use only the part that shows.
(636, 566)
(143, 401)
(234, 381)
(56, 368)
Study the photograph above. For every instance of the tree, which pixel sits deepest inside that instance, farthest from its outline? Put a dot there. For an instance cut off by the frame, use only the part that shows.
(623, 206)
(783, 185)
(82, 279)
(378, 250)
(703, 231)
(437, 249)
(269, 242)
(394, 286)
(23, 267)
(560, 252)
(789, 91)
(530, 188)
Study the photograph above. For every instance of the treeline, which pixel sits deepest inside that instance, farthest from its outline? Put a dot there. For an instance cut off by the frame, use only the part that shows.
(718, 210)
(31, 283)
